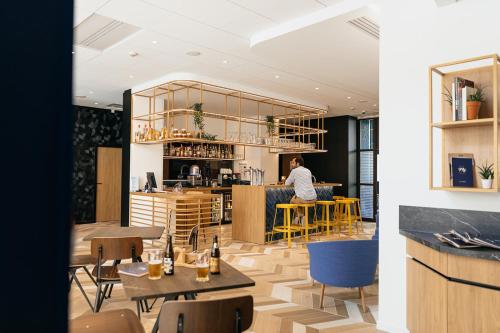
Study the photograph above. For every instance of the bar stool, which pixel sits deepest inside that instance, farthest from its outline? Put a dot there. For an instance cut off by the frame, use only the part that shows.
(307, 225)
(325, 215)
(336, 212)
(343, 207)
(338, 197)
(357, 212)
(287, 228)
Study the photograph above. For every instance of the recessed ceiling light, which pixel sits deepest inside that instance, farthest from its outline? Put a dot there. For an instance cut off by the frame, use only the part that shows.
(276, 76)
(352, 108)
(193, 53)
(91, 92)
(363, 101)
(224, 61)
(316, 88)
(154, 42)
(96, 103)
(81, 96)
(374, 105)
(133, 54)
(348, 97)
(363, 112)
(131, 76)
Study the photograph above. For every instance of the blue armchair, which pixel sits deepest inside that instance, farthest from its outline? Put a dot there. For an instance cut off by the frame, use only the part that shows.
(347, 264)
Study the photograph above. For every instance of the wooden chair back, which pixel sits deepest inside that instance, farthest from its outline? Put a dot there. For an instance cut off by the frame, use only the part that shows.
(119, 321)
(116, 248)
(227, 315)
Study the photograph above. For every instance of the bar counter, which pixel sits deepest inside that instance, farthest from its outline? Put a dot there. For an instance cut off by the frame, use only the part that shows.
(254, 207)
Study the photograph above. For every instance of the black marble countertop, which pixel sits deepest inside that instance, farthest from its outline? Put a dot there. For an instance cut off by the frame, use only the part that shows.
(428, 239)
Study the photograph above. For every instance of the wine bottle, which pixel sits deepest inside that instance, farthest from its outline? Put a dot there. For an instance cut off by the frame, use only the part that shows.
(215, 257)
(168, 257)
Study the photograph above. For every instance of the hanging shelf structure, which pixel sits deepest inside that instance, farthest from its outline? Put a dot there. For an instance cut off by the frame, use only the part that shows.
(165, 114)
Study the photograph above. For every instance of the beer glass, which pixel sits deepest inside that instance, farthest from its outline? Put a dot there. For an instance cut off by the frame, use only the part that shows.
(154, 264)
(202, 267)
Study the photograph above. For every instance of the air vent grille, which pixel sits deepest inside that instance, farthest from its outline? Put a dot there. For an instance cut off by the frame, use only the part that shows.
(114, 106)
(100, 32)
(368, 26)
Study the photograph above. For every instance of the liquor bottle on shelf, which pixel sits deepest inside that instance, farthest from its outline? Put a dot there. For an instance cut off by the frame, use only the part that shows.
(215, 257)
(137, 134)
(168, 257)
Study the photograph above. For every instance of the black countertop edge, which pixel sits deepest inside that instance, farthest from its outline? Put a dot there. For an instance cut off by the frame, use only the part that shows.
(429, 240)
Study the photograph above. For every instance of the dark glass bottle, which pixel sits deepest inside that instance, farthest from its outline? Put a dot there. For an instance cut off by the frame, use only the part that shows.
(168, 257)
(215, 257)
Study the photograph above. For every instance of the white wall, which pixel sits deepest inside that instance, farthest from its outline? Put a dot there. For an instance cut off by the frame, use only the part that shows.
(414, 35)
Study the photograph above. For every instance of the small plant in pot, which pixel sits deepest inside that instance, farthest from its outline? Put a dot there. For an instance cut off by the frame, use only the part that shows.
(487, 174)
(270, 125)
(198, 118)
(474, 103)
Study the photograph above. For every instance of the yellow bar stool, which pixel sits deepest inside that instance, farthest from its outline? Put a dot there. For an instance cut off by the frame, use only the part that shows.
(287, 228)
(307, 225)
(357, 213)
(344, 209)
(338, 197)
(325, 220)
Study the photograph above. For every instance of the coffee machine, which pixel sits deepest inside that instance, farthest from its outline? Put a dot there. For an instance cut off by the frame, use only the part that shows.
(194, 176)
(225, 177)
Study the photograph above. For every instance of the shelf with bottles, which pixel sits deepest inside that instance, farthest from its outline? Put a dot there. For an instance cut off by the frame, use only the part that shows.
(202, 151)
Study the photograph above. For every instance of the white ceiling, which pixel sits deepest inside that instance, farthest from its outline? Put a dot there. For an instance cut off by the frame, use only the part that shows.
(307, 43)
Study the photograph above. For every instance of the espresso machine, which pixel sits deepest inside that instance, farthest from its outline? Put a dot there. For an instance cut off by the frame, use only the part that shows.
(225, 177)
(194, 176)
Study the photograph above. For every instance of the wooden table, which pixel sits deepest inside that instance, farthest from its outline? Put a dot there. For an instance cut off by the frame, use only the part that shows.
(143, 232)
(183, 282)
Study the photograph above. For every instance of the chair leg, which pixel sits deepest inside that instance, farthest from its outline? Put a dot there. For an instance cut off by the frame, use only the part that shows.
(110, 290)
(139, 303)
(274, 223)
(306, 222)
(322, 296)
(97, 297)
(74, 277)
(362, 296)
(90, 275)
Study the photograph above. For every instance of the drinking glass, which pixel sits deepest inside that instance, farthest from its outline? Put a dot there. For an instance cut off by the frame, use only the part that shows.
(154, 264)
(202, 267)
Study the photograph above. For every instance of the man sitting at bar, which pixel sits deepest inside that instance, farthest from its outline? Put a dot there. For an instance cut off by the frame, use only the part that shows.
(301, 178)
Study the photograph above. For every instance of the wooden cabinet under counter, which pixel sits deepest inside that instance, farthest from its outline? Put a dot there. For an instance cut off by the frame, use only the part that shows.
(451, 293)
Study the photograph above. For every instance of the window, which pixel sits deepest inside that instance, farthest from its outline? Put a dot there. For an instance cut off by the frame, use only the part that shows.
(367, 166)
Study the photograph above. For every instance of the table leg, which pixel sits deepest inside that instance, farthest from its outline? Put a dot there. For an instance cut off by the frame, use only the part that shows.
(168, 298)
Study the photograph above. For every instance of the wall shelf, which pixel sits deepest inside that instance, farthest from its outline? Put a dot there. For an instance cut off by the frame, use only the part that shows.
(477, 137)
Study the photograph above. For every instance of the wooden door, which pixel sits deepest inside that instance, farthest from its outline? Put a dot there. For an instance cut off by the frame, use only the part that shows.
(109, 181)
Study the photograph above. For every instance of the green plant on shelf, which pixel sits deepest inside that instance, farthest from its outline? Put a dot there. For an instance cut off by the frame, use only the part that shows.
(208, 137)
(198, 119)
(270, 125)
(486, 171)
(478, 96)
(447, 96)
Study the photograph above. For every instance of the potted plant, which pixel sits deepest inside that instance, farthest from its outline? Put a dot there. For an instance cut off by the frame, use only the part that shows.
(198, 118)
(270, 125)
(487, 174)
(447, 96)
(474, 103)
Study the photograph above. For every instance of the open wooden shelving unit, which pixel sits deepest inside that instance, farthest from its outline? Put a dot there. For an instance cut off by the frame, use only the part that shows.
(479, 137)
(237, 117)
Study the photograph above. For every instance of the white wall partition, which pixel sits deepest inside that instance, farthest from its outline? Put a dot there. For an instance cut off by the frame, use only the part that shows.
(414, 35)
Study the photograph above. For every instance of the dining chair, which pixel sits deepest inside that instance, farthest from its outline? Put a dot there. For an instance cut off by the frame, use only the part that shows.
(81, 261)
(228, 315)
(346, 264)
(114, 321)
(116, 249)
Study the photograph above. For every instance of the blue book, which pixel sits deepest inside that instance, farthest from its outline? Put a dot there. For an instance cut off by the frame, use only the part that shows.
(462, 171)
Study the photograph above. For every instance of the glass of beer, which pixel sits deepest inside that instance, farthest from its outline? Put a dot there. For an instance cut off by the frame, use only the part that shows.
(202, 267)
(154, 264)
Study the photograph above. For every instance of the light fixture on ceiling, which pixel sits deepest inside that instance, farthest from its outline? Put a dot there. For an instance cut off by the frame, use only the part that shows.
(374, 105)
(96, 103)
(193, 53)
(352, 108)
(316, 88)
(80, 96)
(363, 112)
(349, 97)
(72, 52)
(276, 76)
(91, 92)
(224, 61)
(133, 54)
(154, 42)
(131, 76)
(363, 101)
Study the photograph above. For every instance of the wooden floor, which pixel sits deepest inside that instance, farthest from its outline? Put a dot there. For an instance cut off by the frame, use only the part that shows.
(285, 300)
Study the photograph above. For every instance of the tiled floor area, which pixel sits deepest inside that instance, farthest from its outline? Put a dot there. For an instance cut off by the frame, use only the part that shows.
(285, 298)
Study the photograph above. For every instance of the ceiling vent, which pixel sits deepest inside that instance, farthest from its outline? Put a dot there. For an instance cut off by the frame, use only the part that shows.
(445, 2)
(368, 26)
(100, 32)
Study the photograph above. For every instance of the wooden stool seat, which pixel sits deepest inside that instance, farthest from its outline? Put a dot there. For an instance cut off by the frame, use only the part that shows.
(108, 273)
(82, 260)
(114, 321)
(325, 220)
(287, 228)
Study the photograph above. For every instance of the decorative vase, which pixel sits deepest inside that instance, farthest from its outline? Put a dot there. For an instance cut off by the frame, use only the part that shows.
(473, 109)
(486, 183)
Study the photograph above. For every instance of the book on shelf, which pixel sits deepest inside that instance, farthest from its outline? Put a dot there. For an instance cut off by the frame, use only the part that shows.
(461, 170)
(459, 97)
(137, 269)
(464, 239)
